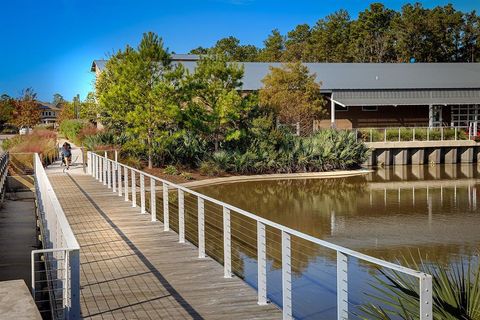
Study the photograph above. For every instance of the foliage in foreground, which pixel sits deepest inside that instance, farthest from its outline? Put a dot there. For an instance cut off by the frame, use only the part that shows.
(456, 293)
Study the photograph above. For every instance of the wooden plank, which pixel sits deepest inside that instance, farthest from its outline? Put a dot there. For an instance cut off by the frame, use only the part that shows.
(131, 268)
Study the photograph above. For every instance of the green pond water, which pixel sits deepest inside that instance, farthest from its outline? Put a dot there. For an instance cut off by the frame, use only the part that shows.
(430, 211)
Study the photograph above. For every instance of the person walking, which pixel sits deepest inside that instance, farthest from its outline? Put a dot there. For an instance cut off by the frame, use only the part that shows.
(66, 154)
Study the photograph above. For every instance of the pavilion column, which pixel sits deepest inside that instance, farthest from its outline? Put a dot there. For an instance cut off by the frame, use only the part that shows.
(332, 114)
(430, 115)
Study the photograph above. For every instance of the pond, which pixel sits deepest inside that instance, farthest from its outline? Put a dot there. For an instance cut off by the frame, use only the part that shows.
(427, 211)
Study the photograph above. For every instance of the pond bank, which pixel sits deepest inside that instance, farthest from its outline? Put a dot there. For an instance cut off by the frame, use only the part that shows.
(277, 176)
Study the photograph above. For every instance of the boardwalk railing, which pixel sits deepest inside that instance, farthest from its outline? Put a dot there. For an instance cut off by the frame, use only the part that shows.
(403, 134)
(4, 160)
(56, 267)
(122, 179)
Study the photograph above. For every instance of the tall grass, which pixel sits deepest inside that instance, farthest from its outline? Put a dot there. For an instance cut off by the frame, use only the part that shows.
(41, 141)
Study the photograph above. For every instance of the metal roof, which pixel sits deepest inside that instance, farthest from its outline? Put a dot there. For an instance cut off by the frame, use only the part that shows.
(365, 76)
(406, 97)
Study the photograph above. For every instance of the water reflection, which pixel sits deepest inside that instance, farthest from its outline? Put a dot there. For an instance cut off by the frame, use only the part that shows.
(388, 213)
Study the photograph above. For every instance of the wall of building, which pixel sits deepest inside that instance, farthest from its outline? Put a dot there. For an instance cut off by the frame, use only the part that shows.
(384, 116)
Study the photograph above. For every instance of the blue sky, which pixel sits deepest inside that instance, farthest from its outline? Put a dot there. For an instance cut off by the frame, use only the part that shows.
(49, 45)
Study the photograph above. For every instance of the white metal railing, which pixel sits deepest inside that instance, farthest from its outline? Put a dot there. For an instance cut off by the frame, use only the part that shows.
(101, 168)
(4, 160)
(56, 267)
(399, 134)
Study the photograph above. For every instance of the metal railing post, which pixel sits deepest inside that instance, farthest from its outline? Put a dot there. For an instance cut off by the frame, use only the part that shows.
(384, 134)
(342, 286)
(153, 200)
(227, 244)
(89, 163)
(201, 228)
(125, 181)
(114, 177)
(109, 174)
(119, 176)
(456, 133)
(142, 193)
(286, 276)
(262, 263)
(134, 190)
(181, 216)
(426, 297)
(428, 133)
(441, 134)
(413, 133)
(102, 173)
(166, 217)
(399, 135)
(371, 135)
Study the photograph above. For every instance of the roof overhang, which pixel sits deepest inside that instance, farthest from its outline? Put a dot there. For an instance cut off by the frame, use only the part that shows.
(406, 97)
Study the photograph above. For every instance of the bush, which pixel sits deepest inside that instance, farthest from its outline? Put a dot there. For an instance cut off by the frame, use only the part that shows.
(209, 168)
(171, 170)
(186, 176)
(71, 128)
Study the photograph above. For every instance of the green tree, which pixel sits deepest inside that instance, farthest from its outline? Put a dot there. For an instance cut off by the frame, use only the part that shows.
(7, 106)
(216, 107)
(373, 36)
(27, 112)
(330, 39)
(274, 47)
(296, 43)
(89, 108)
(232, 49)
(470, 41)
(294, 95)
(57, 98)
(411, 30)
(128, 93)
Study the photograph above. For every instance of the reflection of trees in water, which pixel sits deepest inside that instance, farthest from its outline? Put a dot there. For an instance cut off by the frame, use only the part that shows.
(304, 204)
(300, 204)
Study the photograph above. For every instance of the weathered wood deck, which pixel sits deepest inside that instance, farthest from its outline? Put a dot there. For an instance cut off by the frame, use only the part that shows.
(132, 269)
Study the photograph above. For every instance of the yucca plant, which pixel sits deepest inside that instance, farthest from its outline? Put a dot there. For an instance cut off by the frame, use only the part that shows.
(456, 292)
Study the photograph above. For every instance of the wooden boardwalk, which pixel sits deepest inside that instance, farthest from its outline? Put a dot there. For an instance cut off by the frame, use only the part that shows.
(132, 269)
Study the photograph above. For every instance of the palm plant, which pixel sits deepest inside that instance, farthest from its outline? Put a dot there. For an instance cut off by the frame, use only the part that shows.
(456, 293)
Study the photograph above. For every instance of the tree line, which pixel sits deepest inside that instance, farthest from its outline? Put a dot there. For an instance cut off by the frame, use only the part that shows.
(379, 34)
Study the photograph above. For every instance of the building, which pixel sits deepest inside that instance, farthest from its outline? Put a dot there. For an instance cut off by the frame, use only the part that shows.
(366, 95)
(49, 112)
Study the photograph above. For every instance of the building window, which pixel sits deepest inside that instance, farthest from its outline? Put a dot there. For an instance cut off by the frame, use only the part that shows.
(369, 108)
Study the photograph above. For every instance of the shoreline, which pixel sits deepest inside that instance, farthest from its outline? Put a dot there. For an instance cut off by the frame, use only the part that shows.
(277, 176)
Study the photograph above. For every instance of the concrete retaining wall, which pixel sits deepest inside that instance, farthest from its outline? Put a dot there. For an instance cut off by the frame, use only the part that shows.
(423, 152)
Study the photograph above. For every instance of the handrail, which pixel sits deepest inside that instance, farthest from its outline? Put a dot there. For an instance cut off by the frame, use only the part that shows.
(110, 173)
(60, 250)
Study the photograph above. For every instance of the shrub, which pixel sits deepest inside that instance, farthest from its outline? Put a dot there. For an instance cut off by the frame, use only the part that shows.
(209, 168)
(171, 170)
(71, 128)
(186, 176)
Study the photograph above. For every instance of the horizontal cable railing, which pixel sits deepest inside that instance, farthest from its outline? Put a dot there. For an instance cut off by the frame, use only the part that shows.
(4, 161)
(218, 229)
(56, 267)
(406, 134)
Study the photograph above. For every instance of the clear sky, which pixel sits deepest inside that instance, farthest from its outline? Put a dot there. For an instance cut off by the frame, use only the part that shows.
(50, 44)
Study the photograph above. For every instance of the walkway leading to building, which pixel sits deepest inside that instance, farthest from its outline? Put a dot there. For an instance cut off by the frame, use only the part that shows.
(132, 269)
